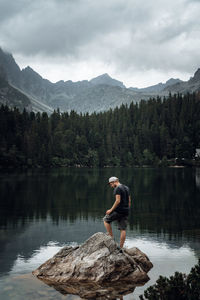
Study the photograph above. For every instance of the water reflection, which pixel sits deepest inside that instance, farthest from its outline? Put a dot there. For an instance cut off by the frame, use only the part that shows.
(94, 291)
(23, 265)
(166, 259)
(198, 177)
(66, 206)
(168, 198)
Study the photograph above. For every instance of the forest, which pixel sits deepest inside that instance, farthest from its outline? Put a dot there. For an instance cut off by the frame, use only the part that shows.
(152, 133)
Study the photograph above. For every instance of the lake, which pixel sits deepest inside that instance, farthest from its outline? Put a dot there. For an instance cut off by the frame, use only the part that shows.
(43, 210)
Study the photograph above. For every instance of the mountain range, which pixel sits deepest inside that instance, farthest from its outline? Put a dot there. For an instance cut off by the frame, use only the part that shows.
(27, 89)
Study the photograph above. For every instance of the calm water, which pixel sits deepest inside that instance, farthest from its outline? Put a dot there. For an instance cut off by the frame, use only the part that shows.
(41, 211)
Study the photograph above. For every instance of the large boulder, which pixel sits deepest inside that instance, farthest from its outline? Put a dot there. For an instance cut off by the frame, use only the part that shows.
(98, 268)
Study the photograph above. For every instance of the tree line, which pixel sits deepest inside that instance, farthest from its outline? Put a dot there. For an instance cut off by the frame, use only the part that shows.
(146, 133)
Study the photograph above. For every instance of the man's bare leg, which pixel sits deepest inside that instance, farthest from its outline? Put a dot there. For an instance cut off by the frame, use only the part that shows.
(108, 228)
(122, 238)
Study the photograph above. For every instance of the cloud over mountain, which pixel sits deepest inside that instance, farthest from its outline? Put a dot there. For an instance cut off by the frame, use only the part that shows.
(132, 38)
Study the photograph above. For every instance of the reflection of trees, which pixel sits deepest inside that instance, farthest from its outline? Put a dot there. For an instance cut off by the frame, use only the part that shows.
(60, 194)
(164, 200)
(198, 177)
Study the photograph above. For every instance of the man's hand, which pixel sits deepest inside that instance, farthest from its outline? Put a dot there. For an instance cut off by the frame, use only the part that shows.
(117, 202)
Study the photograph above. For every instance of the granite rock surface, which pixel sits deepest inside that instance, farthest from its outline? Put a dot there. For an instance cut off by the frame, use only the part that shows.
(97, 268)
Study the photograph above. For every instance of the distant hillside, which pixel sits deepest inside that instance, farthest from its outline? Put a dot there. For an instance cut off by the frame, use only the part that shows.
(11, 96)
(14, 92)
(98, 94)
(105, 79)
(160, 87)
(190, 86)
(8, 64)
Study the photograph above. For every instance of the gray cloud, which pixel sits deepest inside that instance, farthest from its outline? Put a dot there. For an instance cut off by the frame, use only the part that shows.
(130, 35)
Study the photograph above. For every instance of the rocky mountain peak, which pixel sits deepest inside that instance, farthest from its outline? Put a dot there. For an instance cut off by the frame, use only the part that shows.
(105, 75)
(98, 94)
(172, 81)
(105, 79)
(28, 71)
(196, 77)
(12, 70)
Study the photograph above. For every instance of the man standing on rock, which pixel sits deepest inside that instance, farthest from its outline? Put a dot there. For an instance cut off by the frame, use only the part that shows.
(120, 209)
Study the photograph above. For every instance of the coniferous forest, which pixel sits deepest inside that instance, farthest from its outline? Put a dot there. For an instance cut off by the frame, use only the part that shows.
(151, 132)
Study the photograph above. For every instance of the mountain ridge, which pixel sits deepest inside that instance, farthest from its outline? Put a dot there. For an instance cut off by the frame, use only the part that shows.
(158, 87)
(191, 86)
(98, 94)
(105, 79)
(11, 96)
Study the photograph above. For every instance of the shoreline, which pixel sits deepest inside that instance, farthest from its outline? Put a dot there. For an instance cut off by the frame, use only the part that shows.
(38, 167)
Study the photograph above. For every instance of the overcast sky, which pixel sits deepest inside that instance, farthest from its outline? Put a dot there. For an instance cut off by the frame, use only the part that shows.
(138, 42)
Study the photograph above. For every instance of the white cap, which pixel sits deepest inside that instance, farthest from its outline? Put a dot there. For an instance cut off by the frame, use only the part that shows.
(112, 179)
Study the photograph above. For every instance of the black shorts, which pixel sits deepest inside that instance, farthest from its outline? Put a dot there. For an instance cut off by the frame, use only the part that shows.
(122, 219)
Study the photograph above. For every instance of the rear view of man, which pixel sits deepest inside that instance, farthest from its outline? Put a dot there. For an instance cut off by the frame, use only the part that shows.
(120, 209)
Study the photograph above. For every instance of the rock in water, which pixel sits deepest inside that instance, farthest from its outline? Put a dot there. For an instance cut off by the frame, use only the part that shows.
(96, 269)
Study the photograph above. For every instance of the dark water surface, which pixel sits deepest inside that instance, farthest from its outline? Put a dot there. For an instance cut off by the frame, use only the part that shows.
(41, 211)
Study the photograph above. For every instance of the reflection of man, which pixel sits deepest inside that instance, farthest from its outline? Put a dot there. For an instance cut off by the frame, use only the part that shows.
(120, 209)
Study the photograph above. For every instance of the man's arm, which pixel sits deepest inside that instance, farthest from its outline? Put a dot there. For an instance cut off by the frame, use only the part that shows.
(129, 201)
(116, 203)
